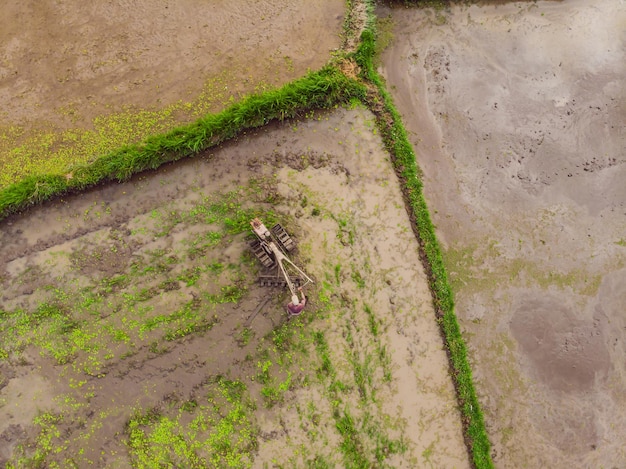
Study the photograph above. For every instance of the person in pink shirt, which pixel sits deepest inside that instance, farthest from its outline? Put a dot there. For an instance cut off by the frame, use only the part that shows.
(295, 307)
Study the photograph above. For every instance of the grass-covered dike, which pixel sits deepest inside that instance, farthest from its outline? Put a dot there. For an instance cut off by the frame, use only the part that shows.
(322, 89)
(397, 143)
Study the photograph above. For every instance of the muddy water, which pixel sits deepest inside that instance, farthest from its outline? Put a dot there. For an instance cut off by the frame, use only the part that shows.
(517, 115)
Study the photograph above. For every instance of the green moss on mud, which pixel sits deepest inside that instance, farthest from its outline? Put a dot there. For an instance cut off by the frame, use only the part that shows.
(484, 269)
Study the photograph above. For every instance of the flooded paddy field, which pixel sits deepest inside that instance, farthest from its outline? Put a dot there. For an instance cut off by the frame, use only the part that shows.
(517, 115)
(134, 329)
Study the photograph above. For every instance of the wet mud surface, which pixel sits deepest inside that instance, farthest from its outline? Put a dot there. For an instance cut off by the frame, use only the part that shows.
(517, 116)
(132, 301)
(124, 257)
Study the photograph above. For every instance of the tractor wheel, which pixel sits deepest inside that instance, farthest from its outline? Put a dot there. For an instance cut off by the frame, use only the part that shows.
(282, 237)
(262, 255)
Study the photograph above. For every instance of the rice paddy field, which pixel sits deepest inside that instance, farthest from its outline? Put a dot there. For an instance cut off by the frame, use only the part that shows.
(439, 170)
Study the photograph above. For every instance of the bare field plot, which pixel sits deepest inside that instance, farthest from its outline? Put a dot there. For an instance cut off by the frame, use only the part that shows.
(78, 81)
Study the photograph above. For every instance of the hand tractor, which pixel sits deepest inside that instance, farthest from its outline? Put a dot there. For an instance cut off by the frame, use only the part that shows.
(271, 248)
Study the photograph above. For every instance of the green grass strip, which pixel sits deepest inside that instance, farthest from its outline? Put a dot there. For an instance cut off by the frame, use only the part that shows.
(317, 90)
(396, 141)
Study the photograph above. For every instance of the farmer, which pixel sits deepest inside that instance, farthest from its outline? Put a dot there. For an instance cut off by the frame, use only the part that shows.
(295, 307)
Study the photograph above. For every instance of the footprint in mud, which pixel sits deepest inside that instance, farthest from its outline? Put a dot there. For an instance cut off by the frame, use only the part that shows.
(437, 64)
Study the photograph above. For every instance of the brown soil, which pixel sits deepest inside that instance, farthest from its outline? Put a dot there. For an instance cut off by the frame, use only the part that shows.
(150, 54)
(516, 112)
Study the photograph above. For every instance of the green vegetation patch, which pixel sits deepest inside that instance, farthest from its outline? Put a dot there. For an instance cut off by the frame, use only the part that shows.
(213, 428)
(86, 319)
(47, 150)
(483, 266)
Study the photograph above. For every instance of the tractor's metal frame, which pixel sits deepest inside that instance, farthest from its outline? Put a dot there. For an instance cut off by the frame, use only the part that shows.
(271, 248)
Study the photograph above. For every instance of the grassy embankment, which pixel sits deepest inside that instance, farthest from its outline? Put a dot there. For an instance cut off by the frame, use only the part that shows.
(323, 89)
(396, 140)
